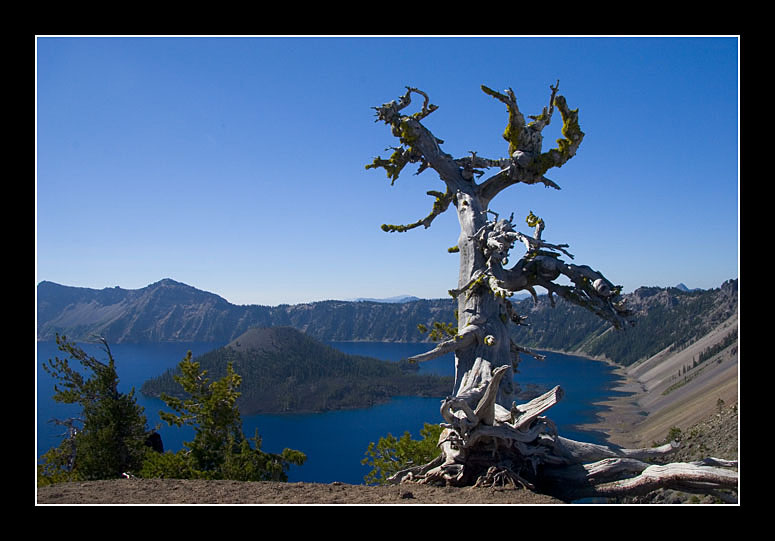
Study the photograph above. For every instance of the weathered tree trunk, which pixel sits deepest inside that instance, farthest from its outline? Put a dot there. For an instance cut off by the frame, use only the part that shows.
(478, 314)
(487, 438)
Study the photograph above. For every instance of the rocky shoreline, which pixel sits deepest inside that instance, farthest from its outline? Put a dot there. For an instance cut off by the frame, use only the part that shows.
(670, 391)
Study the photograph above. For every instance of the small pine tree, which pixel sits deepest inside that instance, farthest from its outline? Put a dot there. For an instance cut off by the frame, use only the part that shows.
(390, 454)
(111, 438)
(219, 449)
(210, 408)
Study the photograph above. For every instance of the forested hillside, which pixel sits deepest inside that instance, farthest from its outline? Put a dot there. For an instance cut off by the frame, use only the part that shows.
(664, 318)
(171, 311)
(284, 370)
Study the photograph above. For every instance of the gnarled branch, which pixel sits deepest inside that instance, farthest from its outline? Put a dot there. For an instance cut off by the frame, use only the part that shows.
(440, 205)
(418, 143)
(612, 477)
(514, 131)
(578, 452)
(527, 163)
(465, 338)
(570, 141)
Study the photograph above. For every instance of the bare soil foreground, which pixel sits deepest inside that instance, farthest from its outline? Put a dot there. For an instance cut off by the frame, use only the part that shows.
(715, 436)
(183, 491)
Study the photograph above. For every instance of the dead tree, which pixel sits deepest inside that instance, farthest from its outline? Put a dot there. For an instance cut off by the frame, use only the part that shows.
(487, 438)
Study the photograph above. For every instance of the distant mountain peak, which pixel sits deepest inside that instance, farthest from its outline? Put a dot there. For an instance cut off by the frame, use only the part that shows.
(683, 287)
(169, 282)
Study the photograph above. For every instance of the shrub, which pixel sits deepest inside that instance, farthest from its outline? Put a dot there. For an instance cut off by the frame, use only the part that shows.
(390, 454)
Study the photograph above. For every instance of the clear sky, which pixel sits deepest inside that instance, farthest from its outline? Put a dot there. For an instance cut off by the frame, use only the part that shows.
(236, 164)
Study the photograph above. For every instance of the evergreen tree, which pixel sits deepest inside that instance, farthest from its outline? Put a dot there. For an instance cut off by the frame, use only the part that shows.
(210, 409)
(219, 449)
(108, 439)
(390, 454)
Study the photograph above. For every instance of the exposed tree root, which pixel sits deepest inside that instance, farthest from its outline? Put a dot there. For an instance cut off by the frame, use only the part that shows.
(528, 453)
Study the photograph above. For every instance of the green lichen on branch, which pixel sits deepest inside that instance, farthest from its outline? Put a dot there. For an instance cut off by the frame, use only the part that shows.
(440, 205)
(396, 163)
(527, 139)
(533, 220)
(570, 122)
(402, 128)
(513, 132)
(568, 144)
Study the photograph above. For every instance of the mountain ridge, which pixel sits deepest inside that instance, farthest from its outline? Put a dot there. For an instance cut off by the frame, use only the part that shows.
(172, 311)
(152, 314)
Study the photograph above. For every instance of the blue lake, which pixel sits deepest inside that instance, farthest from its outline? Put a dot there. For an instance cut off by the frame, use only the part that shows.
(335, 442)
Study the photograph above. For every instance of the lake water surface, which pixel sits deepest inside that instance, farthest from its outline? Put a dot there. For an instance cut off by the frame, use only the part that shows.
(335, 442)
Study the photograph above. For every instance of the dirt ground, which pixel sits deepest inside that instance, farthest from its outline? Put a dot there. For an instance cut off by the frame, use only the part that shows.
(179, 491)
(715, 436)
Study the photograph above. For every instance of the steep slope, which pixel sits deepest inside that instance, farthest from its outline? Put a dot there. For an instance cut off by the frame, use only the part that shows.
(164, 311)
(676, 389)
(665, 318)
(172, 311)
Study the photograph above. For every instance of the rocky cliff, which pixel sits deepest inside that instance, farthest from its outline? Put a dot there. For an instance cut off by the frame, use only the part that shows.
(171, 311)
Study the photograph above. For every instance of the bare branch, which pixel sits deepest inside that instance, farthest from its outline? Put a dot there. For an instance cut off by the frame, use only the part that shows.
(590, 290)
(464, 339)
(485, 408)
(469, 165)
(509, 176)
(535, 245)
(594, 480)
(577, 452)
(427, 107)
(517, 349)
(539, 267)
(542, 120)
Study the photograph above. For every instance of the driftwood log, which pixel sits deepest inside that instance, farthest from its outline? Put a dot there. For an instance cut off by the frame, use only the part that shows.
(487, 438)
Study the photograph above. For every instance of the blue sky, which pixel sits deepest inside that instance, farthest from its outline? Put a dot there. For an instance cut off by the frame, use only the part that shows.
(236, 164)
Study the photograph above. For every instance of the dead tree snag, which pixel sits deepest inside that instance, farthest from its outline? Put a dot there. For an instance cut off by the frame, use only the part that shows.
(487, 437)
